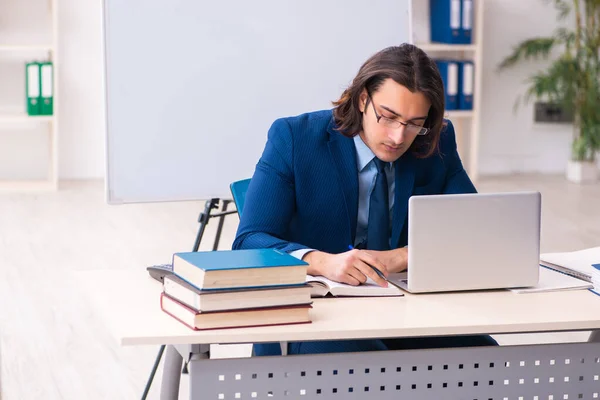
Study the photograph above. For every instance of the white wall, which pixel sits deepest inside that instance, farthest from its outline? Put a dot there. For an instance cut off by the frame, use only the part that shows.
(510, 141)
(81, 144)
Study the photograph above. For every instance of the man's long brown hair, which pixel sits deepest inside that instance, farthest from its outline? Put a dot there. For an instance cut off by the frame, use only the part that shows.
(408, 66)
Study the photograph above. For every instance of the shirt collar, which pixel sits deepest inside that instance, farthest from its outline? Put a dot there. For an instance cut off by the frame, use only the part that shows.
(364, 155)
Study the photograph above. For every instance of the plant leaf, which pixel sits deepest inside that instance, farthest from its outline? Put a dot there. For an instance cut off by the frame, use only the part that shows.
(535, 48)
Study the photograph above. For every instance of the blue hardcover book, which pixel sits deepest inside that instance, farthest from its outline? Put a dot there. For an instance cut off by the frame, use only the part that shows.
(445, 21)
(466, 81)
(466, 24)
(596, 275)
(449, 72)
(239, 268)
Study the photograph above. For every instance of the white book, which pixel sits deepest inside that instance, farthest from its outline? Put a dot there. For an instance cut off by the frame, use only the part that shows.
(235, 299)
(575, 263)
(321, 286)
(552, 281)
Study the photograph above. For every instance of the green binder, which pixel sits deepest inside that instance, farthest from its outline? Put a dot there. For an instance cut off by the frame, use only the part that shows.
(47, 88)
(32, 88)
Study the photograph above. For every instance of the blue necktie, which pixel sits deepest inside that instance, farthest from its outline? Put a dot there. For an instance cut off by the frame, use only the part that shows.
(378, 229)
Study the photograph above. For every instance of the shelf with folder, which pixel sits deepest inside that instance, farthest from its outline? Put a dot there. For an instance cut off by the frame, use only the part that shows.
(447, 47)
(10, 118)
(451, 114)
(25, 48)
(39, 111)
(451, 32)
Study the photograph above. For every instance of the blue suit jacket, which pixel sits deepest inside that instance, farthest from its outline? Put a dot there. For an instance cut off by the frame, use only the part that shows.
(304, 192)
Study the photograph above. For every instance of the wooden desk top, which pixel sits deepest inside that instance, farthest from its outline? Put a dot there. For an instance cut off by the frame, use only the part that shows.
(129, 304)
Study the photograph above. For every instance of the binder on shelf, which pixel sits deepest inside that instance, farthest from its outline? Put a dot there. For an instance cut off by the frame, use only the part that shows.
(32, 87)
(47, 89)
(445, 21)
(449, 72)
(467, 81)
(466, 16)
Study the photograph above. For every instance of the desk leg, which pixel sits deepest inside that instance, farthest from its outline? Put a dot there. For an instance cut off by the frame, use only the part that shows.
(594, 337)
(169, 389)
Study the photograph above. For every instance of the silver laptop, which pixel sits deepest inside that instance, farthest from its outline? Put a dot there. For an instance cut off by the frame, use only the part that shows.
(473, 241)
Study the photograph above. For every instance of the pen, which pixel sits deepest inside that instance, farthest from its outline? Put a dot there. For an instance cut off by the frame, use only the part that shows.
(378, 272)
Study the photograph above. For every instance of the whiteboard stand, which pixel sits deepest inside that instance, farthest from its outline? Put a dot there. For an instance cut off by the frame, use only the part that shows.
(203, 220)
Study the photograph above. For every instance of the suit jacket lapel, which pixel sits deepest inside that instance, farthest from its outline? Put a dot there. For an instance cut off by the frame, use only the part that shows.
(343, 153)
(404, 181)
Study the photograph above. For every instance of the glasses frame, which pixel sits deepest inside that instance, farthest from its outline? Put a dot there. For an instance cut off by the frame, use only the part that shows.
(394, 123)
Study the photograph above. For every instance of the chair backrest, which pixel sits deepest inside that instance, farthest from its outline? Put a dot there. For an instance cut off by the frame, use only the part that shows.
(238, 190)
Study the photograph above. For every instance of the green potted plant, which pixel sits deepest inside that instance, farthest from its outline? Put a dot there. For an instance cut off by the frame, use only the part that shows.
(571, 81)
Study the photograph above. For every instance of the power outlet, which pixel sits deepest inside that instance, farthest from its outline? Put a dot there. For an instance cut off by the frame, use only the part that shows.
(551, 113)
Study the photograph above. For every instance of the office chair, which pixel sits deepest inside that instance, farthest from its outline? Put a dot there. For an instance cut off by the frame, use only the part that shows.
(238, 191)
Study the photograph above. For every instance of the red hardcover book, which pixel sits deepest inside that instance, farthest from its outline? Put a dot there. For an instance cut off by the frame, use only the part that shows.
(297, 314)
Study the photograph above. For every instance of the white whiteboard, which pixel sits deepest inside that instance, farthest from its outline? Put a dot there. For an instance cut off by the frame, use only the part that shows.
(192, 86)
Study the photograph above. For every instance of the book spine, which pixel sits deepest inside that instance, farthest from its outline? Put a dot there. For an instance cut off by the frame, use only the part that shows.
(162, 297)
(181, 293)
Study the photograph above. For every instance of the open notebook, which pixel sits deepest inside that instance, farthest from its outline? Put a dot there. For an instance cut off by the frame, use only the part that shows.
(322, 286)
(575, 263)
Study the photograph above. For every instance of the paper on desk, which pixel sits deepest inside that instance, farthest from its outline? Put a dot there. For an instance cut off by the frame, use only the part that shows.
(552, 281)
(577, 263)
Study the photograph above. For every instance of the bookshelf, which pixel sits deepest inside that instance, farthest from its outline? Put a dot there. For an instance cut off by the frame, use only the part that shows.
(26, 48)
(15, 119)
(452, 114)
(447, 47)
(466, 123)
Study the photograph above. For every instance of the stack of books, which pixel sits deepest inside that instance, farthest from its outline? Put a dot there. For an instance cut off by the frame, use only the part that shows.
(237, 288)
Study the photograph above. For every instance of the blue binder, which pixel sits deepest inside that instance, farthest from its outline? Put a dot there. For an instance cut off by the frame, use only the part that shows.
(466, 81)
(466, 22)
(449, 72)
(445, 21)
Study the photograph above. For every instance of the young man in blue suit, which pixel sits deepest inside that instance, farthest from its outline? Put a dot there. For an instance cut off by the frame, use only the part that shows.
(332, 179)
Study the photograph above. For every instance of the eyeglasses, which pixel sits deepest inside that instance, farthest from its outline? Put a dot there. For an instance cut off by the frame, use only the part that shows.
(395, 124)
